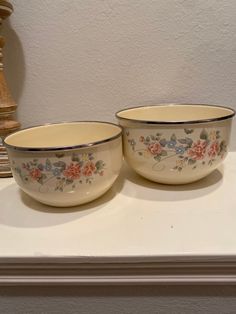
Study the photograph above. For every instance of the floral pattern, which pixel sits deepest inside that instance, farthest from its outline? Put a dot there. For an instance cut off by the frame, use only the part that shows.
(198, 150)
(202, 149)
(81, 169)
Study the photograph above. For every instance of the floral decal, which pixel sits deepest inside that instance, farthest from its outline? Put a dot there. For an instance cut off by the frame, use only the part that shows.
(189, 152)
(81, 169)
(198, 150)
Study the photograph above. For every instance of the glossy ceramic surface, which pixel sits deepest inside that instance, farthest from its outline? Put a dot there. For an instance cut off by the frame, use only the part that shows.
(66, 164)
(175, 144)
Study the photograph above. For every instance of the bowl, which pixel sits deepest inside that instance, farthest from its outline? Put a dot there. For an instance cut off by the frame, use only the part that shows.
(66, 164)
(175, 143)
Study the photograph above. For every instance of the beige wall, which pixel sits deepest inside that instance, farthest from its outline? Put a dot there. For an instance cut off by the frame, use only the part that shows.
(84, 59)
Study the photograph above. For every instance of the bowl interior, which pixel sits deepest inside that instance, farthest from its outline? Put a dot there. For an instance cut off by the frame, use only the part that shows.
(176, 113)
(64, 135)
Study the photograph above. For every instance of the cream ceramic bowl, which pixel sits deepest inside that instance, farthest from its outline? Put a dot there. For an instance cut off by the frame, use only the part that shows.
(66, 164)
(175, 143)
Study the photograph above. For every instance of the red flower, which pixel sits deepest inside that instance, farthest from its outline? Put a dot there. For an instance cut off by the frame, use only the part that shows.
(35, 173)
(214, 149)
(198, 150)
(72, 171)
(155, 148)
(89, 168)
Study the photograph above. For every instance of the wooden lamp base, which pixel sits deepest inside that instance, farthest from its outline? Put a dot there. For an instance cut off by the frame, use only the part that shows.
(7, 105)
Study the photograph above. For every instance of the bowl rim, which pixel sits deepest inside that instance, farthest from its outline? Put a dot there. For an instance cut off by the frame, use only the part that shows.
(229, 116)
(62, 148)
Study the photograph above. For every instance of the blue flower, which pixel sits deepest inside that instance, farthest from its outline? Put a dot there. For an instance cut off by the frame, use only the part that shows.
(180, 149)
(56, 171)
(48, 165)
(171, 144)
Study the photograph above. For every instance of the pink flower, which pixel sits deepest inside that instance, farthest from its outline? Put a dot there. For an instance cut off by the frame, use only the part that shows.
(155, 148)
(35, 173)
(198, 150)
(72, 171)
(214, 149)
(89, 168)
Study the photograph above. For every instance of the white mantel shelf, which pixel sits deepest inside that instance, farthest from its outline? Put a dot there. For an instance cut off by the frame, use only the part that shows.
(138, 233)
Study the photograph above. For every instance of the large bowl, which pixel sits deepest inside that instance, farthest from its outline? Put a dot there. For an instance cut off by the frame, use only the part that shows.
(66, 164)
(175, 143)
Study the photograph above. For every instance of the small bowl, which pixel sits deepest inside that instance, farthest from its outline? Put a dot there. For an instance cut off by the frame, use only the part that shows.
(175, 143)
(66, 164)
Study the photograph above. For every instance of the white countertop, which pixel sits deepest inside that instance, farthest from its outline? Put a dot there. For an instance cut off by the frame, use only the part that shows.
(137, 221)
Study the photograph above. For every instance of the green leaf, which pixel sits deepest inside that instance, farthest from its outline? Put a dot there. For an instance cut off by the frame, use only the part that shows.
(223, 147)
(69, 181)
(163, 142)
(140, 153)
(188, 131)
(157, 158)
(163, 153)
(59, 155)
(40, 180)
(189, 141)
(173, 138)
(75, 157)
(204, 135)
(191, 161)
(182, 140)
(99, 165)
(48, 165)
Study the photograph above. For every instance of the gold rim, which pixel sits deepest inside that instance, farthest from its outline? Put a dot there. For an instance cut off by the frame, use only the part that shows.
(58, 148)
(229, 116)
